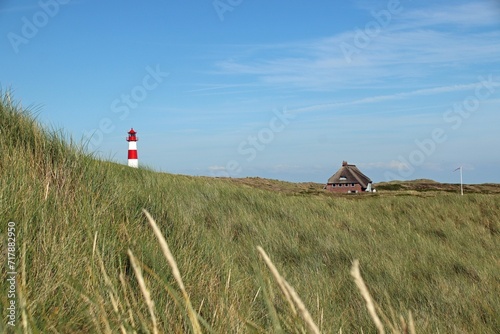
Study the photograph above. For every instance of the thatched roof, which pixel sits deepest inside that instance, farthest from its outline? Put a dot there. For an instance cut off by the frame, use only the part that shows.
(350, 174)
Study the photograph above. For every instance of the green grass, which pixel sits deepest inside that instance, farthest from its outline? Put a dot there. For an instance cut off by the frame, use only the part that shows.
(437, 256)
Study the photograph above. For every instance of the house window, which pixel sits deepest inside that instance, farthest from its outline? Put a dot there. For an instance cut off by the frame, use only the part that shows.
(352, 184)
(343, 178)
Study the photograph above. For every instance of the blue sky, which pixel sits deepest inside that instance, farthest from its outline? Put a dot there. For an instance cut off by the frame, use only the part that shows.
(285, 90)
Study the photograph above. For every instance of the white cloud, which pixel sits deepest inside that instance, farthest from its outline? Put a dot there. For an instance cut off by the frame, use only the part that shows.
(382, 98)
(433, 166)
(392, 165)
(216, 168)
(476, 13)
(409, 49)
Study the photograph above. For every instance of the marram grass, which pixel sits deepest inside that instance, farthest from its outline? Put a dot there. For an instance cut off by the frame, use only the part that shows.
(430, 263)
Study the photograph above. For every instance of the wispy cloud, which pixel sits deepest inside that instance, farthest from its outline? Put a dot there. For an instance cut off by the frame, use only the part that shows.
(216, 87)
(21, 8)
(216, 168)
(29, 8)
(414, 46)
(383, 98)
(391, 165)
(469, 14)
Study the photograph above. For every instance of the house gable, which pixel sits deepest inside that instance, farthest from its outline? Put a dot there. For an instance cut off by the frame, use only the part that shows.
(348, 179)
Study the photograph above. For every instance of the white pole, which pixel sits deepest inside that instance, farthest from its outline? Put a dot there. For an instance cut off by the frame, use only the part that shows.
(461, 182)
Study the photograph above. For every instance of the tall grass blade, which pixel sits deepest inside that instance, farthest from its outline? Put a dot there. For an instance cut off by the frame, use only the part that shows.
(366, 295)
(144, 289)
(290, 293)
(175, 271)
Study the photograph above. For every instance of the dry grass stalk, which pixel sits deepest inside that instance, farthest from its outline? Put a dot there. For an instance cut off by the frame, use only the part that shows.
(92, 313)
(256, 295)
(46, 191)
(104, 317)
(366, 295)
(94, 245)
(24, 313)
(107, 280)
(111, 289)
(279, 279)
(129, 306)
(411, 324)
(290, 293)
(175, 271)
(144, 289)
(228, 281)
(302, 309)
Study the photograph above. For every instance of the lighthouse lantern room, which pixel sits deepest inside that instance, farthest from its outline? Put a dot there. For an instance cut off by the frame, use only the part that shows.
(132, 148)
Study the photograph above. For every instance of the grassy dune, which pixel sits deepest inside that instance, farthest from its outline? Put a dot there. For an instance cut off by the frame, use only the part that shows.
(83, 244)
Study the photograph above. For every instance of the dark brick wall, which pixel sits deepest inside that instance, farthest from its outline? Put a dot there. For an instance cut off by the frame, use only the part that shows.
(344, 188)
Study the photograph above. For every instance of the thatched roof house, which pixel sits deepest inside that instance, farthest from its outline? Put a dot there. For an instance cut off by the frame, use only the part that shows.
(349, 179)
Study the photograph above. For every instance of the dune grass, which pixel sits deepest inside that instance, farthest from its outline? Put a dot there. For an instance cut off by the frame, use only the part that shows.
(84, 242)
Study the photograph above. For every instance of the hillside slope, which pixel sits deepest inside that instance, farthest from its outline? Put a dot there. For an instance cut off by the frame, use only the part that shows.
(76, 217)
(422, 187)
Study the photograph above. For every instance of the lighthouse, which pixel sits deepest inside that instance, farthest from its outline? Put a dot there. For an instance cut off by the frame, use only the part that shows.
(132, 149)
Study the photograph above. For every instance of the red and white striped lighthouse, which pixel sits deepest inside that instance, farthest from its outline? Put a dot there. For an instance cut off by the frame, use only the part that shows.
(132, 149)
